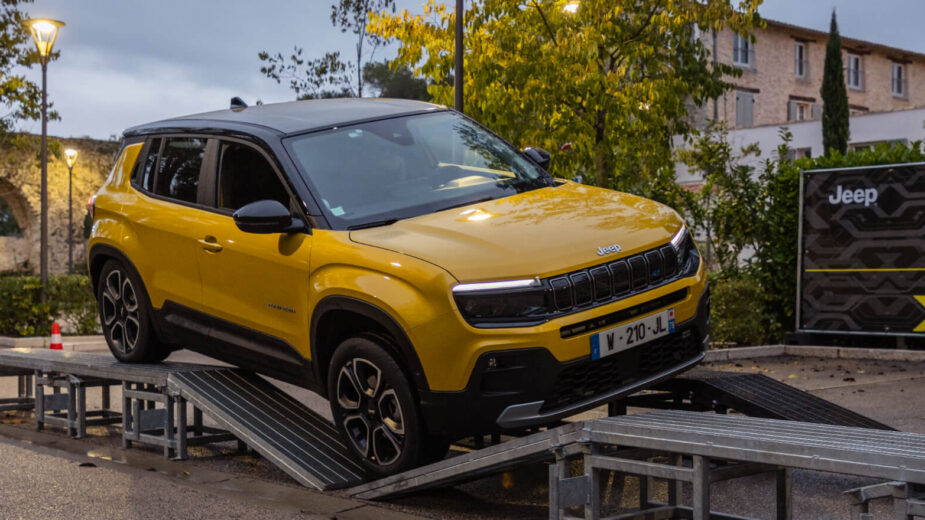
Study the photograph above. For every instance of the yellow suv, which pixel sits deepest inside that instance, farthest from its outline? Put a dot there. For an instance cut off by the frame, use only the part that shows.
(428, 278)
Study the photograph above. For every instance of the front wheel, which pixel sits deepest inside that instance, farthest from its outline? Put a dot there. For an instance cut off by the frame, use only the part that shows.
(374, 407)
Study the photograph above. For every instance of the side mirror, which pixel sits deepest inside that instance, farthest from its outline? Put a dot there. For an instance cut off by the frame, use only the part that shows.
(538, 155)
(266, 216)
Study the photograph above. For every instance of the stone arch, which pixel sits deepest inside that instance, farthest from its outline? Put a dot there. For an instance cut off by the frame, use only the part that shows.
(18, 252)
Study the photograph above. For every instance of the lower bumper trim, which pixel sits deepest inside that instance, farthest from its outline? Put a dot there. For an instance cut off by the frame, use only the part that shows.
(528, 414)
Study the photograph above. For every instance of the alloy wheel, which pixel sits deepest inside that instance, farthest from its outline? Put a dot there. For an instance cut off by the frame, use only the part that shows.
(120, 311)
(372, 416)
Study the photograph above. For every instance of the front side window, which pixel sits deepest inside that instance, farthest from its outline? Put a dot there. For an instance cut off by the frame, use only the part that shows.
(178, 168)
(855, 77)
(245, 176)
(372, 173)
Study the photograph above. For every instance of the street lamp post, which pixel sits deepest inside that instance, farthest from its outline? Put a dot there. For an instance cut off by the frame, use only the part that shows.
(71, 156)
(44, 33)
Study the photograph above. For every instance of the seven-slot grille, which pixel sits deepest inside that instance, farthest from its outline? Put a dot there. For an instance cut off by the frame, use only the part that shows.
(620, 278)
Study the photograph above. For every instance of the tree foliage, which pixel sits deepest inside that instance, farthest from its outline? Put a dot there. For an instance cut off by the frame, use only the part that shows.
(395, 83)
(330, 75)
(615, 79)
(835, 112)
(21, 98)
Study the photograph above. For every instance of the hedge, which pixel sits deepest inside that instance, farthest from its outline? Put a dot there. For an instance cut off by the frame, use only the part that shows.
(70, 302)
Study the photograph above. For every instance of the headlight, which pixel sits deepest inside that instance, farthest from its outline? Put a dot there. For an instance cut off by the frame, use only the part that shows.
(502, 303)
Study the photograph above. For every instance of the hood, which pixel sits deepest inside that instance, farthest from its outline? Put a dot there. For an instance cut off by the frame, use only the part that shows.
(537, 233)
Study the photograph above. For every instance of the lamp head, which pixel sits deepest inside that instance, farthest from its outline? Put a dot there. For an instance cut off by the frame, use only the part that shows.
(44, 32)
(70, 156)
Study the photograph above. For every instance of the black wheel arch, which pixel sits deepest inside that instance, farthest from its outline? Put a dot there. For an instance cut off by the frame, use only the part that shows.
(345, 306)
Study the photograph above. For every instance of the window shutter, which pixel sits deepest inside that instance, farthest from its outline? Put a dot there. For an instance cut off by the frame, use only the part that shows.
(791, 110)
(744, 109)
(817, 111)
(735, 48)
(750, 110)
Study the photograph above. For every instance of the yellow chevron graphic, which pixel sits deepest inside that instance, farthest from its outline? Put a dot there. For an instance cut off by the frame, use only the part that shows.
(921, 300)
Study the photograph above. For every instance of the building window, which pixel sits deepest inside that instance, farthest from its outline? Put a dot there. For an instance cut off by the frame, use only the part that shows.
(800, 63)
(900, 86)
(800, 110)
(745, 109)
(743, 52)
(855, 77)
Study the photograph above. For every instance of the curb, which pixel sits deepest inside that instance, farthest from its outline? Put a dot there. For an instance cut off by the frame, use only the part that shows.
(71, 343)
(713, 356)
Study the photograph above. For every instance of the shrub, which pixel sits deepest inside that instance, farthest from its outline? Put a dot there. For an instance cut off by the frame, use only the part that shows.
(70, 301)
(737, 310)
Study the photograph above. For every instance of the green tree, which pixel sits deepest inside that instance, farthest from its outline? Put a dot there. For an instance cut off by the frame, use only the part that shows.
(328, 76)
(723, 209)
(614, 79)
(835, 129)
(392, 83)
(21, 97)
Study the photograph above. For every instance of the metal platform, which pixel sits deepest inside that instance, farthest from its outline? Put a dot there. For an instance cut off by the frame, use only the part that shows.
(680, 446)
(283, 430)
(755, 395)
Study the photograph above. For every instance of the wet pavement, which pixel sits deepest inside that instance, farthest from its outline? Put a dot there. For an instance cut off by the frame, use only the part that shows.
(219, 482)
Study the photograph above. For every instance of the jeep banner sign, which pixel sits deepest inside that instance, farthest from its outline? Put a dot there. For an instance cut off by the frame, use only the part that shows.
(862, 265)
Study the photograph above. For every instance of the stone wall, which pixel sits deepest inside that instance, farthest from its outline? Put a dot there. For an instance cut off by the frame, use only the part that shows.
(20, 180)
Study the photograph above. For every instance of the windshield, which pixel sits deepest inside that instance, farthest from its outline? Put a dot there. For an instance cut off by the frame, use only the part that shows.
(374, 173)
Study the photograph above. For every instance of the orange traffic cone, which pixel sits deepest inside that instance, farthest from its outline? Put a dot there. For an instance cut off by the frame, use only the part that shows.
(55, 343)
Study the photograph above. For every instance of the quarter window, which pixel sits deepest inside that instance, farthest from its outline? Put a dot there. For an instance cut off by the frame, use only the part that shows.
(144, 175)
(178, 168)
(245, 176)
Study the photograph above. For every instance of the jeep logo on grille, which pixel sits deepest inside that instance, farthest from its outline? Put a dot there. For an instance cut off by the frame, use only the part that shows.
(606, 250)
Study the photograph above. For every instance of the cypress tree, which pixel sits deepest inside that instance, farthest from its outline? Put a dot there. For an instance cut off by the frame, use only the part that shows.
(835, 130)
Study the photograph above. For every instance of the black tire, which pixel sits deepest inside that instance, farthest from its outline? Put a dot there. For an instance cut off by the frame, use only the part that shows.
(125, 315)
(375, 408)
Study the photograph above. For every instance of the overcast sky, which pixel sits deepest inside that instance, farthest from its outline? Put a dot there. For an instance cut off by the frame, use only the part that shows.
(127, 62)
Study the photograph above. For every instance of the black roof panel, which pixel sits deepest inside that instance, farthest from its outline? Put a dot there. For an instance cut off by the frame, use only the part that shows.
(296, 116)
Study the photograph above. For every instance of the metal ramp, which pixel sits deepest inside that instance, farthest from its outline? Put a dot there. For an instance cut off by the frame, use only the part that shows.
(678, 446)
(755, 395)
(284, 431)
(461, 468)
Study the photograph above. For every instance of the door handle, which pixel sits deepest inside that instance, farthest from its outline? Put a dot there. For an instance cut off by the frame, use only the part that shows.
(210, 244)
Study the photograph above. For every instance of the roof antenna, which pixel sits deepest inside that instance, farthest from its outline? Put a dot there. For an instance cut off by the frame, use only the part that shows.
(238, 103)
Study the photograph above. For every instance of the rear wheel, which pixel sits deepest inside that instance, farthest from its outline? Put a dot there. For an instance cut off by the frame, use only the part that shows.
(125, 315)
(374, 407)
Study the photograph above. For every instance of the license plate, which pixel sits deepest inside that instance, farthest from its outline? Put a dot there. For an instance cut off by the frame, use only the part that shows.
(632, 334)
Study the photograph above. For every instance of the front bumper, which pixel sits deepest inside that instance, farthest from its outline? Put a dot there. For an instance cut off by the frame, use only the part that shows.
(515, 389)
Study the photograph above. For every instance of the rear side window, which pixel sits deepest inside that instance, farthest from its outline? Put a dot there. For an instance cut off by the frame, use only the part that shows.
(144, 174)
(245, 176)
(179, 166)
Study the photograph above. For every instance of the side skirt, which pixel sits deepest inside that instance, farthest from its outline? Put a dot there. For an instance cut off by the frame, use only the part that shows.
(183, 327)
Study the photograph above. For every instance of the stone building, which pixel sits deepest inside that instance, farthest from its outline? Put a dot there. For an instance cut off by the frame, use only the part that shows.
(782, 76)
(20, 176)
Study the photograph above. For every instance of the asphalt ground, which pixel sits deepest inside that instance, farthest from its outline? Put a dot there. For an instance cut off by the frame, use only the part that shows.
(41, 473)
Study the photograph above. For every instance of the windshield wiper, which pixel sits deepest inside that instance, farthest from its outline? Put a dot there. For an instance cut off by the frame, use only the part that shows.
(374, 223)
(461, 204)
